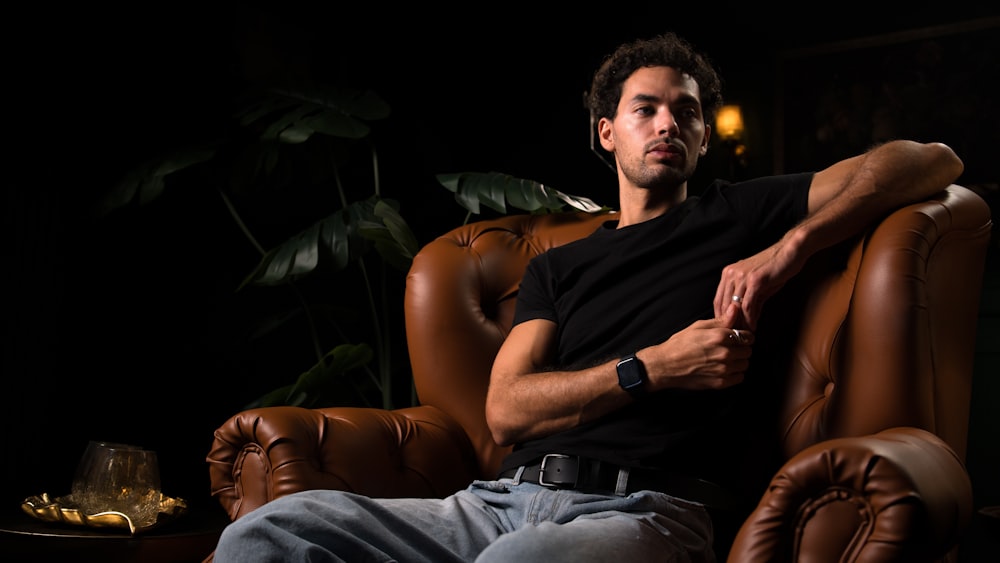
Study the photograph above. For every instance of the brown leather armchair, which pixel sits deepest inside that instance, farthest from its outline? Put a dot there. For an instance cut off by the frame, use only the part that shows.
(876, 342)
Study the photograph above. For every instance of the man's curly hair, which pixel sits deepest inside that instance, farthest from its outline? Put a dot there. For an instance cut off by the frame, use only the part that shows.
(663, 50)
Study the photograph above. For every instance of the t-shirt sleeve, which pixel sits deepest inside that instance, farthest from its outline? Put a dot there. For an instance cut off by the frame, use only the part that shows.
(775, 203)
(535, 297)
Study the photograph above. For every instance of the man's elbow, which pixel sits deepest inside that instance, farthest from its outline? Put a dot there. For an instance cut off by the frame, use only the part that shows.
(947, 165)
(499, 426)
(501, 439)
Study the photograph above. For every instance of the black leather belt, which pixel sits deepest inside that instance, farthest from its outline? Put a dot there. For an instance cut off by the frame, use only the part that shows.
(559, 471)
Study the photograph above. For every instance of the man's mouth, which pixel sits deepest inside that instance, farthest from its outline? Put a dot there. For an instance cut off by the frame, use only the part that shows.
(666, 151)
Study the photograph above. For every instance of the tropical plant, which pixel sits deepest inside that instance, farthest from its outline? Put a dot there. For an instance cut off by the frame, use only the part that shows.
(366, 235)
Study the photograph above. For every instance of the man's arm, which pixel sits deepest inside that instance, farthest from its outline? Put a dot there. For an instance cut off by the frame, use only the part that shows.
(844, 199)
(527, 401)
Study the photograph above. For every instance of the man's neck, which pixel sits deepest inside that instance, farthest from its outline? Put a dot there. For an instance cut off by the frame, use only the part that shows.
(638, 205)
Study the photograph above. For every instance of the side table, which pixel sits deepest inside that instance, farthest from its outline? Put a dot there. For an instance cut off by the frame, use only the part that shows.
(188, 539)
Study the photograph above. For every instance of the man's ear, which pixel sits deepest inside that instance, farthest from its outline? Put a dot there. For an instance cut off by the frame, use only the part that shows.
(604, 133)
(703, 149)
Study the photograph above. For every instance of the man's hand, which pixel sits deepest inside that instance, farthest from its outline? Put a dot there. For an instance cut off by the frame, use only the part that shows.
(709, 354)
(750, 282)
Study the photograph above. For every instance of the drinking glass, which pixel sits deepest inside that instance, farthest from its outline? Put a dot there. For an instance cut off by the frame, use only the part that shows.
(113, 477)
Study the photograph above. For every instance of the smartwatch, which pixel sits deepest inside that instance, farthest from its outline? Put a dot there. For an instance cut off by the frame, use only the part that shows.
(631, 375)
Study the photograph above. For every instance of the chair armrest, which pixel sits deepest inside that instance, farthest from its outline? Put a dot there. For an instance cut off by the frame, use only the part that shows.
(261, 454)
(899, 495)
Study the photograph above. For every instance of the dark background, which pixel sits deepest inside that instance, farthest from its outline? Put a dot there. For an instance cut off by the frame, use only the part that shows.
(129, 329)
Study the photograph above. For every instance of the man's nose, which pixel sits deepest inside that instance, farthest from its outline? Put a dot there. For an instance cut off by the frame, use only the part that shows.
(668, 125)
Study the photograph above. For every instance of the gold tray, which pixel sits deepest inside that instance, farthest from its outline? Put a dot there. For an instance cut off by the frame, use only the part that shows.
(64, 510)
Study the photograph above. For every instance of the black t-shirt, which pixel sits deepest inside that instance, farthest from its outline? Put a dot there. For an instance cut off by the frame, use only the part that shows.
(620, 290)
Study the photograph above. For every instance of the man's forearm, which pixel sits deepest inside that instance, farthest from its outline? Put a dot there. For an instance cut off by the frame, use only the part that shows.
(844, 199)
(853, 194)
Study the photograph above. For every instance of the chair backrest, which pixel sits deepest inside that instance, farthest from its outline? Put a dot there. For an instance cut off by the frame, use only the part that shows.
(876, 332)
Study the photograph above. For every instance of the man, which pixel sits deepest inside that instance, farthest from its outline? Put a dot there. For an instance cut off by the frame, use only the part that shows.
(618, 381)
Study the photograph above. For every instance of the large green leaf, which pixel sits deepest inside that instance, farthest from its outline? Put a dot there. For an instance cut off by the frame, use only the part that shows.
(364, 104)
(146, 182)
(337, 240)
(292, 117)
(337, 362)
(287, 126)
(496, 190)
(393, 238)
(274, 116)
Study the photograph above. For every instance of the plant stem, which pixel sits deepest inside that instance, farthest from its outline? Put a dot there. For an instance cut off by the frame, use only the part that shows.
(239, 223)
(310, 321)
(340, 186)
(375, 175)
(385, 382)
(384, 378)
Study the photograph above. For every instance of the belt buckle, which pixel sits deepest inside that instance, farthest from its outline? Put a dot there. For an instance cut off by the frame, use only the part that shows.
(561, 484)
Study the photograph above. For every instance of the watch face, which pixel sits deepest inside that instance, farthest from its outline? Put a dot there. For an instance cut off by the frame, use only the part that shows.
(631, 374)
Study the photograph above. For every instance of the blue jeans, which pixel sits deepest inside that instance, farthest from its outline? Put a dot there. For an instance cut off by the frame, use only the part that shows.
(489, 522)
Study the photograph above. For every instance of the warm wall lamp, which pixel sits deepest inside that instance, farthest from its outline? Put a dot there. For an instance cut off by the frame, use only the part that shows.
(729, 128)
(729, 123)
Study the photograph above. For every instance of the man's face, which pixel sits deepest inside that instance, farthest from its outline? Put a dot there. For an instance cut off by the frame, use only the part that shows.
(659, 131)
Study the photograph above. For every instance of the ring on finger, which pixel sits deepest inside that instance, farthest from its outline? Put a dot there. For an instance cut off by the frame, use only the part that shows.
(737, 337)
(737, 299)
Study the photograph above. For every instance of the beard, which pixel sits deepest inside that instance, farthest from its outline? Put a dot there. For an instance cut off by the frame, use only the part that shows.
(660, 178)
(670, 175)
